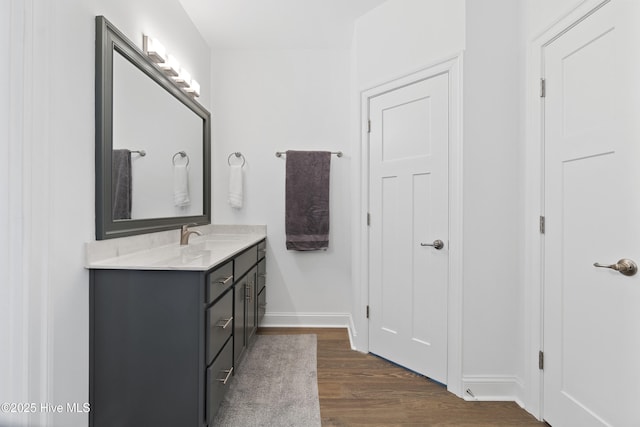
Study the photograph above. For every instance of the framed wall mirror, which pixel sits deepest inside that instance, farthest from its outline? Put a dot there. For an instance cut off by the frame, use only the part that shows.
(153, 144)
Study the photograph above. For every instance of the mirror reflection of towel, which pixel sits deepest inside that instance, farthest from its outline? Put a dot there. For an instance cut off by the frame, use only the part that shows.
(121, 184)
(181, 185)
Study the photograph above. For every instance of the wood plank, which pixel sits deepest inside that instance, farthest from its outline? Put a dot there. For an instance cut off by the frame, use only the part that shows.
(358, 389)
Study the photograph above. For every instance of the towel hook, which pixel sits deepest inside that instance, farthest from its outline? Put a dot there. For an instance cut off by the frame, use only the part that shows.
(181, 154)
(238, 155)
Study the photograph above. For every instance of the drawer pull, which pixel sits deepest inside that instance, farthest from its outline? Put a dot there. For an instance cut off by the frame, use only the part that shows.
(225, 379)
(262, 275)
(263, 251)
(226, 323)
(225, 281)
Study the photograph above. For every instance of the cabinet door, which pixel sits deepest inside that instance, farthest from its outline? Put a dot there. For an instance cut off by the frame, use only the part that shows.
(239, 316)
(252, 304)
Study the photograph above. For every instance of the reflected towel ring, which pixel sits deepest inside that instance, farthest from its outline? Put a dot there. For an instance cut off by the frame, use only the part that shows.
(238, 155)
(181, 154)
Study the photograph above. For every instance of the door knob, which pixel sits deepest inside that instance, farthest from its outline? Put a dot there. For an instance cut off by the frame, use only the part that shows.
(438, 244)
(624, 266)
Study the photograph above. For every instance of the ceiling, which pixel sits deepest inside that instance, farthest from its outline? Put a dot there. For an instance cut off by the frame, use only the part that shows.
(277, 24)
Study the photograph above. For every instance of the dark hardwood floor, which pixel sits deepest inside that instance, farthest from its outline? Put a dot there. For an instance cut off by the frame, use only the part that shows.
(358, 389)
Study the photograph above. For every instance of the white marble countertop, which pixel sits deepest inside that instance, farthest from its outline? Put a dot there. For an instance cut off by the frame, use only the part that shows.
(162, 251)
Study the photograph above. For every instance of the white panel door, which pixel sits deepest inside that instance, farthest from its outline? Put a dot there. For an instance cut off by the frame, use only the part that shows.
(592, 206)
(408, 157)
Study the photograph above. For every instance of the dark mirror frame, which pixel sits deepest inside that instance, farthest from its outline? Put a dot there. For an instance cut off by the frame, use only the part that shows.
(108, 40)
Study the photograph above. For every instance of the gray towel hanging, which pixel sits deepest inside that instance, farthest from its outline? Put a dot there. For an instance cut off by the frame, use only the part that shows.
(307, 200)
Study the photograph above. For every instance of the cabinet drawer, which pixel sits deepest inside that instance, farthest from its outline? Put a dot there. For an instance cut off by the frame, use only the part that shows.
(219, 281)
(262, 274)
(220, 325)
(245, 261)
(262, 249)
(218, 379)
(262, 305)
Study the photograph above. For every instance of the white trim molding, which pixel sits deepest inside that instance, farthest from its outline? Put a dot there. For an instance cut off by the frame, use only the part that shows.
(453, 67)
(310, 320)
(493, 388)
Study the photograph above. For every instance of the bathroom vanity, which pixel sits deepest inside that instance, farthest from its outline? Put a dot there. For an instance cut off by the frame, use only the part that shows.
(169, 327)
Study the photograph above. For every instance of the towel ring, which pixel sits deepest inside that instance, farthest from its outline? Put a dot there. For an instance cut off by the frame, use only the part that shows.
(181, 154)
(238, 155)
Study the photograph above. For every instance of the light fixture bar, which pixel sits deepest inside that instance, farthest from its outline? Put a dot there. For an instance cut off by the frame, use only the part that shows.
(169, 65)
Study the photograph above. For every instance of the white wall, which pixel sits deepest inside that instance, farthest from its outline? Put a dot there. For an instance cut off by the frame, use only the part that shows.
(54, 210)
(493, 202)
(275, 100)
(403, 36)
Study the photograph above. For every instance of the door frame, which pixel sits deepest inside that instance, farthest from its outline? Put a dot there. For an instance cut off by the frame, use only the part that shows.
(451, 66)
(533, 274)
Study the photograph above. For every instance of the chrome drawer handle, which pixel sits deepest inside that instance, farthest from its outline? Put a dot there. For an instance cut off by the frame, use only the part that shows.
(226, 323)
(225, 379)
(225, 281)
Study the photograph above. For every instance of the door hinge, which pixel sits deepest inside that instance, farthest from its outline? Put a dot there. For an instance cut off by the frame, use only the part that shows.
(367, 312)
(369, 126)
(541, 360)
(542, 224)
(543, 88)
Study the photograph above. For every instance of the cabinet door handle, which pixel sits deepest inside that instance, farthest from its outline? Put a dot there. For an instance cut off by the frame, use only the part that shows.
(225, 379)
(226, 323)
(225, 281)
(247, 292)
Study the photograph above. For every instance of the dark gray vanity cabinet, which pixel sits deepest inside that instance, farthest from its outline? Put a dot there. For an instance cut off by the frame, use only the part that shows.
(246, 298)
(262, 290)
(147, 348)
(162, 342)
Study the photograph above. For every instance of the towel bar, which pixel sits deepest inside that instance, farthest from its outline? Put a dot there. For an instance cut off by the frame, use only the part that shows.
(282, 153)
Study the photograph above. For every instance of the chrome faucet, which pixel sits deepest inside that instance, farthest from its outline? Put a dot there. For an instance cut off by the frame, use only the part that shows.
(184, 235)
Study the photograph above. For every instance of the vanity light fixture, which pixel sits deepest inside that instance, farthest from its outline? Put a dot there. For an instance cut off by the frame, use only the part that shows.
(154, 49)
(169, 65)
(193, 89)
(183, 79)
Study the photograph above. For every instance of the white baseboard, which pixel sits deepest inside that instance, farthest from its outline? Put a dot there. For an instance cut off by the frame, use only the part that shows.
(310, 320)
(496, 388)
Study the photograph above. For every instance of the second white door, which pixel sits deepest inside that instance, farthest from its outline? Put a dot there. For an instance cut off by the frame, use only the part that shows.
(592, 206)
(408, 259)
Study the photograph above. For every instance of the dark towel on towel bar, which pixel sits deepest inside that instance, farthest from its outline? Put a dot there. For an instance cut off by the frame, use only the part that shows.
(307, 200)
(121, 184)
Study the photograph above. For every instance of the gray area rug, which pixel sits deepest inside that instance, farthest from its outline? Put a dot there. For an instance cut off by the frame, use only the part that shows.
(277, 385)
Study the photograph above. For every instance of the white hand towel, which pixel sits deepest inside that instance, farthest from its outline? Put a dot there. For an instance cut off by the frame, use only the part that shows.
(181, 185)
(235, 186)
